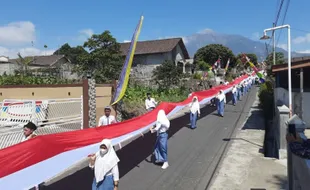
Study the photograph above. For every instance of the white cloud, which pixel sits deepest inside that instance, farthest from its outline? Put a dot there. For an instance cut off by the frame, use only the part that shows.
(25, 51)
(188, 39)
(303, 51)
(283, 46)
(17, 33)
(16, 37)
(205, 31)
(126, 41)
(302, 39)
(85, 34)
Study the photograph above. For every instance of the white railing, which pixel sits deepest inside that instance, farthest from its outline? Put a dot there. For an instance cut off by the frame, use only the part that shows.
(51, 116)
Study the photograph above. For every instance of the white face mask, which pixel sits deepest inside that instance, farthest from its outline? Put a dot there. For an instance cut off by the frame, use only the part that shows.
(103, 151)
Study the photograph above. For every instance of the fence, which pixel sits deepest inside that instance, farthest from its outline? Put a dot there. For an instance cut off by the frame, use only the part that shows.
(51, 116)
(81, 109)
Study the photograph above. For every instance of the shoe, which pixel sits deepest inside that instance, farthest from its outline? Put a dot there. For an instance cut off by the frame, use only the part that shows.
(158, 161)
(165, 165)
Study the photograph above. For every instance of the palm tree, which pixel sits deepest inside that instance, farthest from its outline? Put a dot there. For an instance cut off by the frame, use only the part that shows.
(23, 63)
(45, 47)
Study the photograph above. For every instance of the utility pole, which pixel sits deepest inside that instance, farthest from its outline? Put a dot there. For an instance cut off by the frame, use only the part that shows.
(274, 44)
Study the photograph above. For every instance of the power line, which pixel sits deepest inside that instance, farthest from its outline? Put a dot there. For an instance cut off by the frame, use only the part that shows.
(279, 13)
(300, 30)
(283, 20)
(275, 22)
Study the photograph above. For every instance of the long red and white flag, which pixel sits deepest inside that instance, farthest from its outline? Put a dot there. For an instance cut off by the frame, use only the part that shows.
(45, 156)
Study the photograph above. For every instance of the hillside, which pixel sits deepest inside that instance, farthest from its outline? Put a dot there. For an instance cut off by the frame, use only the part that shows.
(236, 43)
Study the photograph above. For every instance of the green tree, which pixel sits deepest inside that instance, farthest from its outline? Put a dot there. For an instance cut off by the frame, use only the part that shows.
(211, 53)
(104, 61)
(203, 66)
(23, 63)
(279, 58)
(72, 53)
(167, 74)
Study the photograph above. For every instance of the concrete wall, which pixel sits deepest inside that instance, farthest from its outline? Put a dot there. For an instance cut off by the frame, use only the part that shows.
(298, 168)
(143, 65)
(7, 68)
(281, 95)
(35, 92)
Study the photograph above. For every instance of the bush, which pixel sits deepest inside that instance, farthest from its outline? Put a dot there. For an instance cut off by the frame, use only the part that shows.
(266, 98)
(134, 99)
(31, 80)
(197, 76)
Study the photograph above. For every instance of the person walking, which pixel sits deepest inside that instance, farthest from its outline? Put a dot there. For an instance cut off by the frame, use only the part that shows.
(194, 112)
(107, 118)
(161, 145)
(234, 95)
(105, 165)
(221, 103)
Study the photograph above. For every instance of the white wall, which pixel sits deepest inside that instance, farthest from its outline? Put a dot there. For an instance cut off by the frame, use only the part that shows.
(7, 68)
(179, 52)
(282, 95)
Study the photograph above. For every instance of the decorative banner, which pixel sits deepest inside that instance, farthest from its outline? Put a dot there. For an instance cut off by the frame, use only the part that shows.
(245, 59)
(124, 76)
(227, 65)
(205, 75)
(216, 65)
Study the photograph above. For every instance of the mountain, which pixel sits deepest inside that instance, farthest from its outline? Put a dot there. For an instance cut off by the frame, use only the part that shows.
(236, 43)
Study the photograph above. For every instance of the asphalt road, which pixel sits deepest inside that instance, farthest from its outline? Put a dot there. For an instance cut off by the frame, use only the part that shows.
(193, 154)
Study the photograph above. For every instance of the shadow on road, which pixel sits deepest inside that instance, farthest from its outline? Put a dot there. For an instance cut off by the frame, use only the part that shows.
(252, 122)
(243, 140)
(130, 156)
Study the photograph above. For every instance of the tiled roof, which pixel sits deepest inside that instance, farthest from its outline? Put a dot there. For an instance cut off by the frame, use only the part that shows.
(42, 60)
(156, 46)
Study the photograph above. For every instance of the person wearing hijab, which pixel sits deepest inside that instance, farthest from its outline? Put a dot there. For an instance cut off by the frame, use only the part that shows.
(161, 145)
(195, 112)
(105, 165)
(234, 95)
(221, 103)
(239, 92)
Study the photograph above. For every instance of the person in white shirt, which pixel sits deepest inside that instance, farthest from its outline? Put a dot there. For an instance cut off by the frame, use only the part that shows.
(221, 103)
(150, 103)
(29, 131)
(161, 145)
(213, 100)
(239, 92)
(105, 165)
(190, 92)
(226, 82)
(195, 112)
(107, 118)
(234, 92)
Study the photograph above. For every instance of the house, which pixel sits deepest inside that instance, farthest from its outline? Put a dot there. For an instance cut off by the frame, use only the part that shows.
(152, 53)
(57, 65)
(6, 67)
(300, 74)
